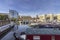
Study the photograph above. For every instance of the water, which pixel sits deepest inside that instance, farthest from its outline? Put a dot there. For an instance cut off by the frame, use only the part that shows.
(21, 27)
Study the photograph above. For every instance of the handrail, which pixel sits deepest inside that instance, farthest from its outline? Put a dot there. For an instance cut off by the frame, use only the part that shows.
(4, 22)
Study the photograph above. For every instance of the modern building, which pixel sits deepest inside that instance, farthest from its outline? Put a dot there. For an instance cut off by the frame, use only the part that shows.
(13, 14)
(42, 18)
(49, 18)
(55, 18)
(58, 17)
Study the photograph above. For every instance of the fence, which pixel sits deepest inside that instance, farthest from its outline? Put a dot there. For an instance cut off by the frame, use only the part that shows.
(4, 22)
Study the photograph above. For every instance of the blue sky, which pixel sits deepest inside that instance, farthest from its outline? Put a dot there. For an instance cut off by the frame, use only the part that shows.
(30, 7)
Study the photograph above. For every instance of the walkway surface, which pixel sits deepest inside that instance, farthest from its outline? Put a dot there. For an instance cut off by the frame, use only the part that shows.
(10, 36)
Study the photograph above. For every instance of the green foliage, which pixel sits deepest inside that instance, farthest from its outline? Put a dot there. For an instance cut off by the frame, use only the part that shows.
(3, 17)
(17, 23)
(13, 19)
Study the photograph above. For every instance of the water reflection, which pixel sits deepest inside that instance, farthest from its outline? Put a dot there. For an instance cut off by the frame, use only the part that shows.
(19, 31)
(21, 28)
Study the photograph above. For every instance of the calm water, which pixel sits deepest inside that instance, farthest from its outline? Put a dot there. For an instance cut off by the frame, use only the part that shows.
(21, 27)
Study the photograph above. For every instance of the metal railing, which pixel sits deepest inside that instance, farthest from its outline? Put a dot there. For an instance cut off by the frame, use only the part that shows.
(4, 22)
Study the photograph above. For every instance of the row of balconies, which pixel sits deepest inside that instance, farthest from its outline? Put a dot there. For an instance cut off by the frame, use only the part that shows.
(49, 18)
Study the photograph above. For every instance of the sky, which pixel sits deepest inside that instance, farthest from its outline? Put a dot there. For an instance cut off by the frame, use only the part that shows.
(30, 7)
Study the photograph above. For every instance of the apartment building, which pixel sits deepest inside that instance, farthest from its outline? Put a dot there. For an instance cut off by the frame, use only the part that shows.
(42, 18)
(49, 18)
(58, 17)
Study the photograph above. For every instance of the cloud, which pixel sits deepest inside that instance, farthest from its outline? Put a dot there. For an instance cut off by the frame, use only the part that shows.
(30, 6)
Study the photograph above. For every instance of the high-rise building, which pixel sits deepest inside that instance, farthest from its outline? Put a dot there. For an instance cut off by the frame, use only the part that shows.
(13, 14)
